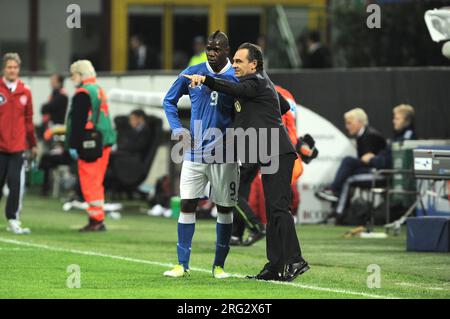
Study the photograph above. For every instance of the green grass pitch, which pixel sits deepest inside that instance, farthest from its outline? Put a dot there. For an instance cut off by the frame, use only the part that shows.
(129, 259)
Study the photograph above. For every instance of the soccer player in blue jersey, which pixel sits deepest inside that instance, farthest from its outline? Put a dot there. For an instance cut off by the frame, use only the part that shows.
(210, 110)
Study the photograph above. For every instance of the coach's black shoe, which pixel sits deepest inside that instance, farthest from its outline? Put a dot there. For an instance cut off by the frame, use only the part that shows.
(93, 226)
(267, 274)
(294, 270)
(235, 241)
(253, 238)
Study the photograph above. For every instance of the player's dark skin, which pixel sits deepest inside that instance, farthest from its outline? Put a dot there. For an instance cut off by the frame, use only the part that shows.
(217, 51)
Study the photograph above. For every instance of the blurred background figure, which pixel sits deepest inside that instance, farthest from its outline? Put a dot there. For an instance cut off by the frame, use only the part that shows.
(131, 152)
(403, 130)
(369, 143)
(198, 46)
(353, 171)
(55, 156)
(317, 55)
(54, 111)
(138, 141)
(141, 56)
(53, 130)
(403, 121)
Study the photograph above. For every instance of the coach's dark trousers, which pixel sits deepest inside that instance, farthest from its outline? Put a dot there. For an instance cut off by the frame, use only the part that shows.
(10, 172)
(243, 213)
(281, 238)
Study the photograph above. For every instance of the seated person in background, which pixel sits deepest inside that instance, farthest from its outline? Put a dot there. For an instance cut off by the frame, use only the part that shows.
(139, 140)
(55, 157)
(131, 152)
(403, 124)
(53, 117)
(368, 142)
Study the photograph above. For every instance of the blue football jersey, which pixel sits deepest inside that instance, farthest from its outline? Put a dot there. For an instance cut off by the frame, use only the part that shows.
(211, 111)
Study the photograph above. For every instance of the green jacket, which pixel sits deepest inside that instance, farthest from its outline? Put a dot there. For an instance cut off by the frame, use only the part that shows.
(97, 100)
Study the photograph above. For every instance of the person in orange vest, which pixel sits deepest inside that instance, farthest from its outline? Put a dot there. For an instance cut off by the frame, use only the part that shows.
(89, 110)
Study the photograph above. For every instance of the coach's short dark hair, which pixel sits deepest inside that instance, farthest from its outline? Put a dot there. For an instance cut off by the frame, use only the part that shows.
(254, 53)
(139, 113)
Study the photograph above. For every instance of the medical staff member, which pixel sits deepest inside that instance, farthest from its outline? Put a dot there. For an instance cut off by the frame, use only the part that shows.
(88, 102)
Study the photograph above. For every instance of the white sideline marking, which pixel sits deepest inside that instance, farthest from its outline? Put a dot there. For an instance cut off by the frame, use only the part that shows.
(420, 286)
(148, 262)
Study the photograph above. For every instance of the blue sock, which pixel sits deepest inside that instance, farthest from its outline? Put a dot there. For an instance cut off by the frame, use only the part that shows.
(186, 228)
(223, 232)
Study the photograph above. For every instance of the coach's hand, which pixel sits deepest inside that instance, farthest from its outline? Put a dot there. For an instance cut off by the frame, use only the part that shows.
(196, 79)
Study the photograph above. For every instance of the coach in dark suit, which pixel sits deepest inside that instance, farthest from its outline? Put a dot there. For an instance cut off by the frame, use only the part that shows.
(257, 109)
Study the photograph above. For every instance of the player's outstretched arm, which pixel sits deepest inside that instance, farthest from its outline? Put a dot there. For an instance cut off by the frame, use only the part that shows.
(247, 88)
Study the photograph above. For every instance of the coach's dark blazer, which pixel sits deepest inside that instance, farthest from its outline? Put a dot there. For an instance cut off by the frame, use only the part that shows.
(257, 106)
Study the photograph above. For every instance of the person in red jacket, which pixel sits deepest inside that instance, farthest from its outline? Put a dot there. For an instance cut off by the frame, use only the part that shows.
(16, 136)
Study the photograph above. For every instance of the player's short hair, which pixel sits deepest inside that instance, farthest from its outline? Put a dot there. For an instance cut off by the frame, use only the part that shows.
(11, 56)
(219, 36)
(84, 68)
(254, 53)
(406, 110)
(139, 113)
(358, 114)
